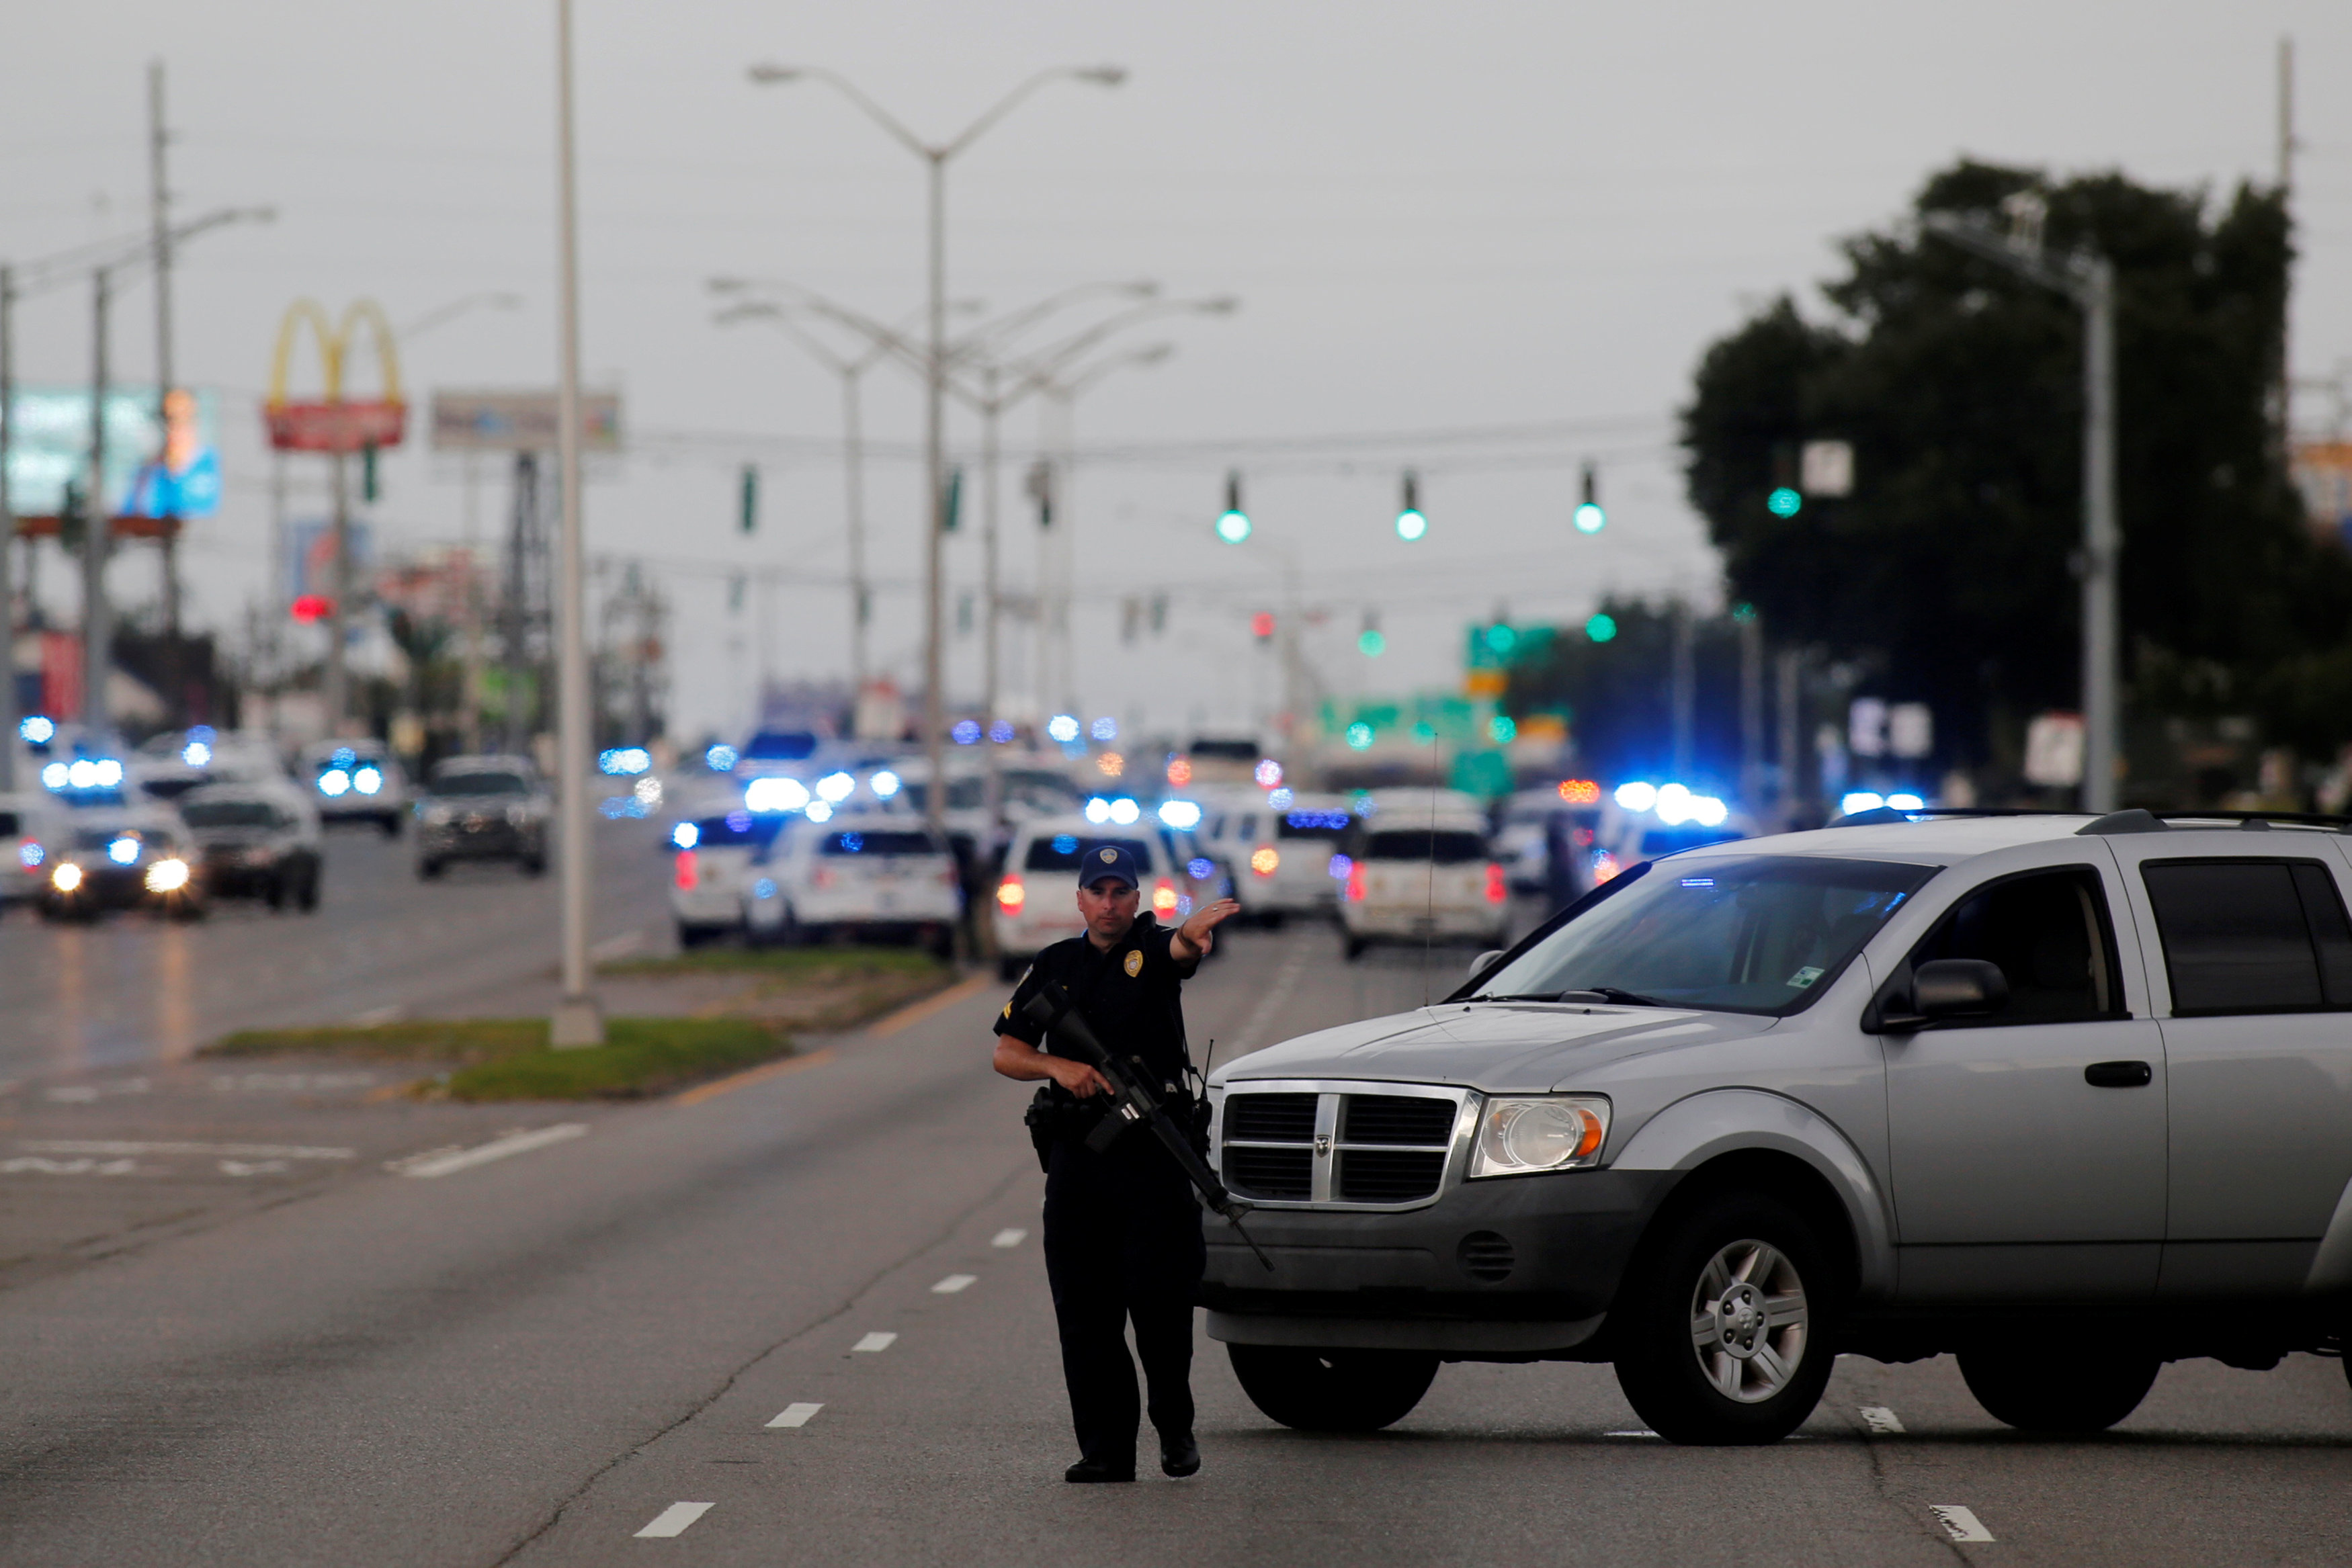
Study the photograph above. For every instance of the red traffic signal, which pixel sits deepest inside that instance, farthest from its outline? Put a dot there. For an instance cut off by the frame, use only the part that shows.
(1262, 625)
(311, 607)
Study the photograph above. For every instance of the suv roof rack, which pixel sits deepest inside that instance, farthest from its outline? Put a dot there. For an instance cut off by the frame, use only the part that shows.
(2132, 819)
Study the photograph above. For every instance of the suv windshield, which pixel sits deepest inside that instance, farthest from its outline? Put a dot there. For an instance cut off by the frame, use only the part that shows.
(480, 784)
(1443, 847)
(1761, 934)
(876, 841)
(229, 814)
(1061, 852)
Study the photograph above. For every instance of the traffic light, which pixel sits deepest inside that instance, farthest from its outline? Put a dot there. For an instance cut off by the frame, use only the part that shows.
(1234, 526)
(1040, 487)
(1590, 518)
(1784, 502)
(951, 513)
(1411, 524)
(369, 489)
(1372, 643)
(750, 518)
(1262, 625)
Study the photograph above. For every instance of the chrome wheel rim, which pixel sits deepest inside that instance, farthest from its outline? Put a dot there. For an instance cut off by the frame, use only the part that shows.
(1749, 1321)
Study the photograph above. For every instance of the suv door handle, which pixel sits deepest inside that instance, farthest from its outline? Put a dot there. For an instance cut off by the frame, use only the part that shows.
(2118, 1075)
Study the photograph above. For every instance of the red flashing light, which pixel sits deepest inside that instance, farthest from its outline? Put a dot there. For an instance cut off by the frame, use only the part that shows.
(1356, 884)
(312, 607)
(1580, 791)
(1498, 890)
(1262, 625)
(687, 872)
(1010, 895)
(1164, 898)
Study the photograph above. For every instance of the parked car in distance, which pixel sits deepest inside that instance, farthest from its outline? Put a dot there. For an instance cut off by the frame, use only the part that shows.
(2067, 1097)
(122, 857)
(1419, 870)
(873, 876)
(1035, 900)
(483, 807)
(258, 841)
(31, 826)
(357, 781)
(715, 860)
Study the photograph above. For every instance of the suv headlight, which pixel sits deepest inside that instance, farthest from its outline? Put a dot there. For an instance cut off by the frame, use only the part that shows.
(1522, 1136)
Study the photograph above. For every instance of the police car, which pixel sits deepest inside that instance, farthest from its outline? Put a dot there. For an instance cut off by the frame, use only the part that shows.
(31, 825)
(1035, 902)
(1283, 849)
(121, 857)
(865, 876)
(719, 862)
(357, 781)
(1419, 869)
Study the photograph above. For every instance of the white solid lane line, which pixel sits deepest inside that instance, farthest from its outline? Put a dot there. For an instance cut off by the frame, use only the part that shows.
(117, 1148)
(673, 1519)
(1961, 1522)
(796, 1415)
(873, 1342)
(1879, 1418)
(496, 1149)
(1008, 1237)
(954, 1283)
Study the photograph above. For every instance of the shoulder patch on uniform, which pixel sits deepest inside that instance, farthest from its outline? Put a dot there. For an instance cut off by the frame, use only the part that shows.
(1008, 1009)
(1134, 962)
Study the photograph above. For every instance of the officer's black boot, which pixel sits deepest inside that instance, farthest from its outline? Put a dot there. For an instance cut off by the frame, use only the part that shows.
(1096, 1470)
(1179, 1455)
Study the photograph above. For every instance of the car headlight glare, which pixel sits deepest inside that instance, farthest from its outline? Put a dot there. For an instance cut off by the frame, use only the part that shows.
(67, 877)
(368, 780)
(334, 781)
(1547, 1132)
(167, 876)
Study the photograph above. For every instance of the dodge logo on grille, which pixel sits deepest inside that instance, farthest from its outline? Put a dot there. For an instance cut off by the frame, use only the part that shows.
(1322, 1146)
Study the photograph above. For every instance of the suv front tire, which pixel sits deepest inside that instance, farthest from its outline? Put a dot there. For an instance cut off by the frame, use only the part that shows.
(1723, 1325)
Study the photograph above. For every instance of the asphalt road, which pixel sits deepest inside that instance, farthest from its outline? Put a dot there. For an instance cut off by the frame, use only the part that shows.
(538, 1357)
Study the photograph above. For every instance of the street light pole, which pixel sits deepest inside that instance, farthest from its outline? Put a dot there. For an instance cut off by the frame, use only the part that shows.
(8, 716)
(2089, 280)
(935, 157)
(578, 1021)
(97, 623)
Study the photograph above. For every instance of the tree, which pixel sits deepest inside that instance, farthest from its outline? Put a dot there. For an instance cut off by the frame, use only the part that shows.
(1947, 576)
(1618, 694)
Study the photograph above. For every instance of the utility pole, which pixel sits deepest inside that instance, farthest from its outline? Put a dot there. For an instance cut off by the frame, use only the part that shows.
(1684, 690)
(334, 696)
(160, 217)
(1752, 709)
(1788, 674)
(2286, 148)
(578, 1021)
(2088, 280)
(97, 623)
(8, 716)
(991, 411)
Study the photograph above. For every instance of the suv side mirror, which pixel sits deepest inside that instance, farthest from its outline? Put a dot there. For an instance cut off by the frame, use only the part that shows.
(1946, 988)
(1480, 961)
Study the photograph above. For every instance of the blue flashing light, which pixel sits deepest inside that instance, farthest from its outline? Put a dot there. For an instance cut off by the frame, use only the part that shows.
(1063, 727)
(202, 734)
(836, 788)
(777, 795)
(38, 729)
(1861, 800)
(1904, 800)
(883, 784)
(108, 773)
(1066, 843)
(1104, 729)
(722, 758)
(1340, 866)
(739, 821)
(1200, 868)
(1279, 799)
(334, 782)
(368, 780)
(1637, 796)
(54, 775)
(30, 855)
(819, 811)
(686, 835)
(764, 889)
(624, 761)
(1001, 731)
(1096, 810)
(123, 850)
(197, 754)
(965, 732)
(852, 843)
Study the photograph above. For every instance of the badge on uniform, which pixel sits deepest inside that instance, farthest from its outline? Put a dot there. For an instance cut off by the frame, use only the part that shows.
(1134, 962)
(1110, 854)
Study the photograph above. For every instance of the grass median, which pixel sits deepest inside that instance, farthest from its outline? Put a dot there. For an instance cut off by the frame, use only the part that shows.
(509, 1058)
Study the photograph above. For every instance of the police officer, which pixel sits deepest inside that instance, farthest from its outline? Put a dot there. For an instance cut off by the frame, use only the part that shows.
(1122, 1228)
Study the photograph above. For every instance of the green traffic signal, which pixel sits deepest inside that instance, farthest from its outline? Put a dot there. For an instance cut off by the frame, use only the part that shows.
(1784, 502)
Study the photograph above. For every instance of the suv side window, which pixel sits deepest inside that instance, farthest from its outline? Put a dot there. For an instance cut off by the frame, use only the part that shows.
(2250, 936)
(2049, 932)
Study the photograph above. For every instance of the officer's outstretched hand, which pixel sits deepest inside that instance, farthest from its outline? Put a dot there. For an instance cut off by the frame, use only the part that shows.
(1198, 933)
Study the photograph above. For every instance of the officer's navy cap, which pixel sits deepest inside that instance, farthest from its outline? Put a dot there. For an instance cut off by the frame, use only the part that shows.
(1108, 860)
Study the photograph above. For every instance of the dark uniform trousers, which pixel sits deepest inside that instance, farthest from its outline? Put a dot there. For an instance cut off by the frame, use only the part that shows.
(1123, 1245)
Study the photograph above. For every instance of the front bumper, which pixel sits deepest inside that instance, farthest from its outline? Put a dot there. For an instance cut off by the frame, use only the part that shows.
(492, 838)
(1406, 1281)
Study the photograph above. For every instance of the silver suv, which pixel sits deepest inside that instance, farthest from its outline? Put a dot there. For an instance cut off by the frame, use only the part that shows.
(2069, 1097)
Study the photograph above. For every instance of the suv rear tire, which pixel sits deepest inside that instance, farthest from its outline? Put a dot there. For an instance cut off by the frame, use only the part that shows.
(1723, 1325)
(1332, 1390)
(2058, 1388)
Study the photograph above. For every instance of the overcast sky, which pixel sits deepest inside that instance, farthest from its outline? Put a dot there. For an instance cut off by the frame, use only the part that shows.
(1436, 219)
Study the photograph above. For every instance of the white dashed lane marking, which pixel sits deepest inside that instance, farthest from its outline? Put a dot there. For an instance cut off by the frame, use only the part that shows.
(1008, 1237)
(1879, 1418)
(874, 1342)
(673, 1519)
(954, 1283)
(796, 1415)
(1643, 1433)
(1962, 1523)
(441, 1164)
(118, 1149)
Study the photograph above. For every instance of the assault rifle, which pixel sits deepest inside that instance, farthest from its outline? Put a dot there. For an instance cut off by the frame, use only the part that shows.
(1132, 1102)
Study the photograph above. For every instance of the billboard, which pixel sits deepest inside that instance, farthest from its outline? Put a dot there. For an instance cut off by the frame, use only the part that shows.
(309, 564)
(521, 421)
(49, 449)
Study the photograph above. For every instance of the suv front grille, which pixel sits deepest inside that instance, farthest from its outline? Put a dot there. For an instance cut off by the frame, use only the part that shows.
(1327, 1146)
